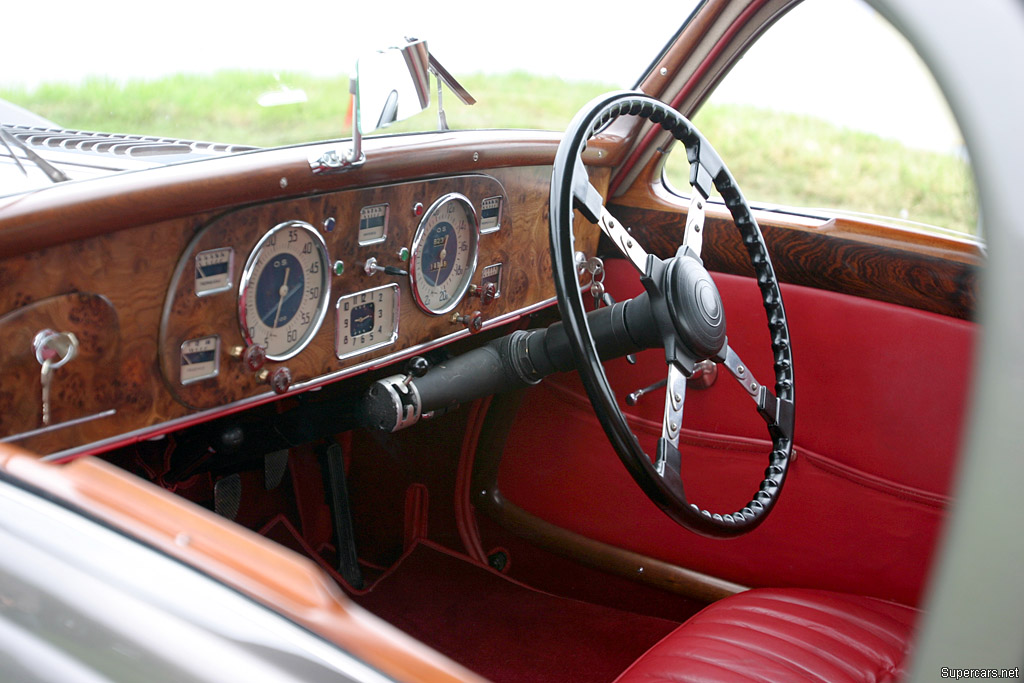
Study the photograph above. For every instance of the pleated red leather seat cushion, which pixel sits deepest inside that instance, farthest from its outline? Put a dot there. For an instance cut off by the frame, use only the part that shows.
(777, 635)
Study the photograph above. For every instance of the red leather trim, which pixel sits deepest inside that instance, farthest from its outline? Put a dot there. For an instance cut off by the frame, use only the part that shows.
(880, 405)
(465, 513)
(783, 635)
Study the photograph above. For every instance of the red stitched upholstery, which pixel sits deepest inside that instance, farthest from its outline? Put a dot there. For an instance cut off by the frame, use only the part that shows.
(773, 635)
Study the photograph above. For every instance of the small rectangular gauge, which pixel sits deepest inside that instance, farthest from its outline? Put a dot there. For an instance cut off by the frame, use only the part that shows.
(492, 273)
(366, 321)
(200, 359)
(373, 224)
(213, 270)
(490, 214)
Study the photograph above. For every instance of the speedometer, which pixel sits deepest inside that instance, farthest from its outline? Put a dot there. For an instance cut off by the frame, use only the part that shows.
(282, 299)
(444, 253)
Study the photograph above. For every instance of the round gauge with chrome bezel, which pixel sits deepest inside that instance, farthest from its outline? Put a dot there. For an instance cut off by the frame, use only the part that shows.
(283, 295)
(444, 254)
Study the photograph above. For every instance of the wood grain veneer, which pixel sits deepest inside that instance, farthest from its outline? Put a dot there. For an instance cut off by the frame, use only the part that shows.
(920, 270)
(118, 252)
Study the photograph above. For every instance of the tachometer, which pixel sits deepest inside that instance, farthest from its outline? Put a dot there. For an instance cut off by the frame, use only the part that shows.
(444, 254)
(282, 299)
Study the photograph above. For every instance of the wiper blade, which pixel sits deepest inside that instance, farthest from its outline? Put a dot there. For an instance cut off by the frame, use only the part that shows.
(51, 171)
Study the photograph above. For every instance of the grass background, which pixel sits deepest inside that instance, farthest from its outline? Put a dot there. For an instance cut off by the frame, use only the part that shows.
(778, 157)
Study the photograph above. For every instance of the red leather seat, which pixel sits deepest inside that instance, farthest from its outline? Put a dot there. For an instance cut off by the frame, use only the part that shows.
(773, 635)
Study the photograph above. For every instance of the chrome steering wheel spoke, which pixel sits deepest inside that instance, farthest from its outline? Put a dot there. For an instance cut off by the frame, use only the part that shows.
(693, 236)
(623, 241)
(778, 413)
(672, 421)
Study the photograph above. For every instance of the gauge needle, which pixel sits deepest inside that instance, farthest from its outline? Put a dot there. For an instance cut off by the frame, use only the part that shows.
(444, 247)
(282, 293)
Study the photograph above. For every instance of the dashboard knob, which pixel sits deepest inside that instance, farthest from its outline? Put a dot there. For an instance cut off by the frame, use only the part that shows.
(417, 366)
(281, 380)
(474, 321)
(486, 292)
(254, 357)
(371, 267)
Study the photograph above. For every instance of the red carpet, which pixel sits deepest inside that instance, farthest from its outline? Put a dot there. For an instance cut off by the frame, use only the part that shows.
(504, 630)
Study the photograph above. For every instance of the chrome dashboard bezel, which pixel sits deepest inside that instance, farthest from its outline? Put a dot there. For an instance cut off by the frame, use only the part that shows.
(322, 304)
(417, 243)
(396, 292)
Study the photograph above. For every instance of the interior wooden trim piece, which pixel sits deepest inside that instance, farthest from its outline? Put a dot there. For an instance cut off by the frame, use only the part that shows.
(927, 272)
(270, 574)
(618, 561)
(76, 210)
(634, 566)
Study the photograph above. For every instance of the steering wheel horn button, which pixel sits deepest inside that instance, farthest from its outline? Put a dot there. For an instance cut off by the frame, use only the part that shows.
(695, 307)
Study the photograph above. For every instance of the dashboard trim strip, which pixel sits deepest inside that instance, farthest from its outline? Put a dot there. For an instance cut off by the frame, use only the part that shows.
(57, 427)
(158, 430)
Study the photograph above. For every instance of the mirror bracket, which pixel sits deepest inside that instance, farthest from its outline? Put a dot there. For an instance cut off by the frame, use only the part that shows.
(331, 160)
(420, 64)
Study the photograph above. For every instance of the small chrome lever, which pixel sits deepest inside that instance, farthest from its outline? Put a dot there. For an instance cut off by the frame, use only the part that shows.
(635, 397)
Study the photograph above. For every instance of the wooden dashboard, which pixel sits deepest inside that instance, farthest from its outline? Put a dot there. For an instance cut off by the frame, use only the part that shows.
(155, 308)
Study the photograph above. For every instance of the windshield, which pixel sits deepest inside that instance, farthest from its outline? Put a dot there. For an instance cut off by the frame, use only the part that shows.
(216, 72)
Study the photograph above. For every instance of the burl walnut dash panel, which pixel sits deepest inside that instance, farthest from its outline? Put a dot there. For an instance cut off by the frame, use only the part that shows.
(129, 295)
(519, 246)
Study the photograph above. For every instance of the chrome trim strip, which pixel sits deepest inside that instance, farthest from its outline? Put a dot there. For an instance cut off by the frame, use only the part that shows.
(53, 428)
(162, 428)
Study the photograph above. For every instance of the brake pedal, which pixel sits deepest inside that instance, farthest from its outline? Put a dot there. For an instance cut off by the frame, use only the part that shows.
(227, 496)
(274, 466)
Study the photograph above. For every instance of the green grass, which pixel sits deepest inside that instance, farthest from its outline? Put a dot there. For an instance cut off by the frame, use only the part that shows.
(783, 158)
(777, 157)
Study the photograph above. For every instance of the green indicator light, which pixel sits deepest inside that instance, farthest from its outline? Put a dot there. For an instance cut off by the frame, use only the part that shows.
(403, 253)
(339, 267)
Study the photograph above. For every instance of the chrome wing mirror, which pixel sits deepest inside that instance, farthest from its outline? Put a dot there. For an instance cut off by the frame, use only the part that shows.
(389, 85)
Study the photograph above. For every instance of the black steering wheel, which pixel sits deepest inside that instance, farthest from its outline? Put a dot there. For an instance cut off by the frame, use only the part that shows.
(686, 311)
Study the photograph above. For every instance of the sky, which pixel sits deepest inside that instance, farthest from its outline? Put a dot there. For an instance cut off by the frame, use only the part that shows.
(133, 39)
(881, 90)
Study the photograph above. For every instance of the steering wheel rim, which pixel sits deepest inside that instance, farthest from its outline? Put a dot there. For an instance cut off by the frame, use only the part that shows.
(571, 190)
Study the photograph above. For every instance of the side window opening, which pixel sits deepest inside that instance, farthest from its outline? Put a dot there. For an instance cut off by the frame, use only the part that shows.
(832, 111)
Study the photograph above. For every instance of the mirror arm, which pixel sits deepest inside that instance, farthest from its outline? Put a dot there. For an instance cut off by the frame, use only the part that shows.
(449, 80)
(442, 120)
(355, 155)
(331, 160)
(443, 76)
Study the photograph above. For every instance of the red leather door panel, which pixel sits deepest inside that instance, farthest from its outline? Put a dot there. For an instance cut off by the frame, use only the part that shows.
(880, 401)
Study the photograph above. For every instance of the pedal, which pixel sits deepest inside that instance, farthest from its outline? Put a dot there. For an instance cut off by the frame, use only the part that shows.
(274, 466)
(333, 463)
(227, 496)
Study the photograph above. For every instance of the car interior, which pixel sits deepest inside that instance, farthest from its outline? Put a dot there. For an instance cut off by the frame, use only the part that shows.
(501, 404)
